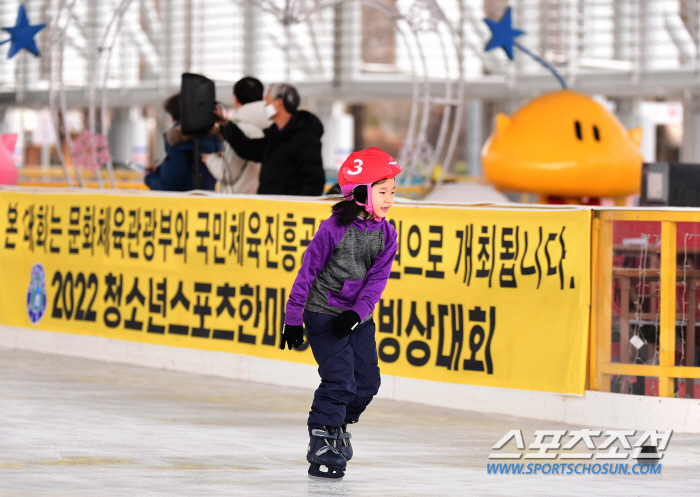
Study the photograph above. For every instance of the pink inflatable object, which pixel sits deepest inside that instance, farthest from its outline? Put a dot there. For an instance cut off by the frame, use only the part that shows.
(8, 170)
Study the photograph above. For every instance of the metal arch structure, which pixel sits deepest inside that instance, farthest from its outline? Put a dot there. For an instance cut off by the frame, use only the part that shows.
(57, 34)
(100, 71)
(614, 47)
(417, 155)
(626, 49)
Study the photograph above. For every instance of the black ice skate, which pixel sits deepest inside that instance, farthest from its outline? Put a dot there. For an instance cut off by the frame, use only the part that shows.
(344, 442)
(326, 460)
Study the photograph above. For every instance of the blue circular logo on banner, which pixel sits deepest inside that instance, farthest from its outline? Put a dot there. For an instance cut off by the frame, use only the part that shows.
(36, 293)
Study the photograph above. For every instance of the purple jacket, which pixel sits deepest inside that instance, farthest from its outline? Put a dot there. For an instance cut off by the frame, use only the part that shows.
(344, 267)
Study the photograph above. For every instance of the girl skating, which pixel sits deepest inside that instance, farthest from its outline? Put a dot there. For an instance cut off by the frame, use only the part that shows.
(344, 272)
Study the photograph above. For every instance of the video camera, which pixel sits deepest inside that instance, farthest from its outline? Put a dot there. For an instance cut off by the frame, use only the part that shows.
(197, 114)
(197, 104)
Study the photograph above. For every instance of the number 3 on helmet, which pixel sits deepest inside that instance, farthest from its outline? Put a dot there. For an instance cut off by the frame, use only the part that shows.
(358, 168)
(366, 167)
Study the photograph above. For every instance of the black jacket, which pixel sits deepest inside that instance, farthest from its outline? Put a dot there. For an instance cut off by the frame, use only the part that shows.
(291, 158)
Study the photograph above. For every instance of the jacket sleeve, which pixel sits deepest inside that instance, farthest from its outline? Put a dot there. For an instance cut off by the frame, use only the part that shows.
(317, 255)
(311, 169)
(172, 173)
(247, 148)
(216, 165)
(376, 278)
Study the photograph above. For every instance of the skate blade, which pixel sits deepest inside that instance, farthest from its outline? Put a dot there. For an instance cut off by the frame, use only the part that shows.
(328, 473)
(324, 478)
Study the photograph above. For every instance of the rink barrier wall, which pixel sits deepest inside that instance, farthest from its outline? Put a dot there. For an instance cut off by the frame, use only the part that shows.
(214, 273)
(592, 410)
(586, 356)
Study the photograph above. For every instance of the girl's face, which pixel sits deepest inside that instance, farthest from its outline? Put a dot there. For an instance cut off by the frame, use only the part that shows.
(383, 197)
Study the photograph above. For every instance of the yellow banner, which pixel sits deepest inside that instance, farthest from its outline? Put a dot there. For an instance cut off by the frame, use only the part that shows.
(477, 296)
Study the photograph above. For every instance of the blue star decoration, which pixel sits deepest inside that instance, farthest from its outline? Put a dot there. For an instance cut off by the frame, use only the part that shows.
(503, 34)
(22, 34)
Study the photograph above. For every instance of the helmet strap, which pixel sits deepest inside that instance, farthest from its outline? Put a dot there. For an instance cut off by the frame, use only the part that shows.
(368, 206)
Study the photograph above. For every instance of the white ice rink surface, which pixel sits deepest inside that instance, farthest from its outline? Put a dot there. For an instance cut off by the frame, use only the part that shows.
(75, 427)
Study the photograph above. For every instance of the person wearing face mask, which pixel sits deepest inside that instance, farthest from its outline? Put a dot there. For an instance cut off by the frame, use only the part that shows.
(289, 151)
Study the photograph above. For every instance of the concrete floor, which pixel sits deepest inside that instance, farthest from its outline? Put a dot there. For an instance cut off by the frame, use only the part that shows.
(75, 427)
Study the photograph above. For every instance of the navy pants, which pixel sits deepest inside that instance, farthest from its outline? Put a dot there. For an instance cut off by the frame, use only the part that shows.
(348, 368)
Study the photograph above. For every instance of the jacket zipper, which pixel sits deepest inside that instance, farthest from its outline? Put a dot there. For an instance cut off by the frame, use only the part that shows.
(366, 238)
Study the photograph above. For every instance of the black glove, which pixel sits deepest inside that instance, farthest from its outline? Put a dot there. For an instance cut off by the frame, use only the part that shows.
(344, 324)
(292, 336)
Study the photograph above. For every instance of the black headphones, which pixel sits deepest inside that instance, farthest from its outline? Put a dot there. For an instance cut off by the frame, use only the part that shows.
(290, 99)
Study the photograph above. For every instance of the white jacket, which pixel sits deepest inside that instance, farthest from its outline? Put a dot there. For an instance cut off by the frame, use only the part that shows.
(235, 174)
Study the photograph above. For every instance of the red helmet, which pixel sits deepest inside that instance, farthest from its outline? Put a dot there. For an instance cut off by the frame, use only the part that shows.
(367, 166)
(364, 168)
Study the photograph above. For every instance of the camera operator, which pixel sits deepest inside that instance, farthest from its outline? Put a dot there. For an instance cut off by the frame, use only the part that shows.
(175, 172)
(289, 150)
(234, 173)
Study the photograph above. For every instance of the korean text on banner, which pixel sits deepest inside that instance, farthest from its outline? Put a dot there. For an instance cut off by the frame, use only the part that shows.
(494, 297)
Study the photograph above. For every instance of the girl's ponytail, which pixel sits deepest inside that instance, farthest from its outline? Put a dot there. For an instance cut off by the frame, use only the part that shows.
(348, 210)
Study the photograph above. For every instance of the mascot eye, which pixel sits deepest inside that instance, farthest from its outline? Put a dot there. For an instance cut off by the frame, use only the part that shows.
(577, 126)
